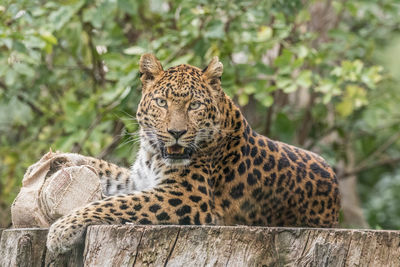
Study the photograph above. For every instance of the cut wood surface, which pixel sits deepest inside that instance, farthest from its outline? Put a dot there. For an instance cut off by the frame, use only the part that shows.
(27, 247)
(130, 245)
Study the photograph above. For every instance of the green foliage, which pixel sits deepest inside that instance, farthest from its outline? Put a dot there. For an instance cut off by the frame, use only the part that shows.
(69, 74)
(381, 211)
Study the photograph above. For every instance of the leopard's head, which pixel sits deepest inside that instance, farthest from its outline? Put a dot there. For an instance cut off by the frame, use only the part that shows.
(178, 112)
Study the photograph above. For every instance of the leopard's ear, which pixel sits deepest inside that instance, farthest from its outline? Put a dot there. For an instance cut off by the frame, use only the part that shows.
(213, 72)
(149, 67)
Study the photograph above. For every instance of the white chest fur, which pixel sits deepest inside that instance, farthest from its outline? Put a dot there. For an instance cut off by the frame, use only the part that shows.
(142, 171)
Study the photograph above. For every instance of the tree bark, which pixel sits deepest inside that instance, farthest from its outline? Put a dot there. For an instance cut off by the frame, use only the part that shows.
(129, 245)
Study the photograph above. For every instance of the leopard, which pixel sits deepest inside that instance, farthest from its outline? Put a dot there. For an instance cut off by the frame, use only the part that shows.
(199, 162)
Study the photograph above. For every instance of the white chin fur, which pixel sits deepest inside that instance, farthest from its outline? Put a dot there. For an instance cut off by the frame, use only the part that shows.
(177, 162)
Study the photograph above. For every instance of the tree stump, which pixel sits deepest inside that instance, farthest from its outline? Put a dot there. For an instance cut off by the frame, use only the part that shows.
(159, 245)
(27, 247)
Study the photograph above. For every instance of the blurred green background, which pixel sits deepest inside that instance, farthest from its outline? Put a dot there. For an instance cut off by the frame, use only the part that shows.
(323, 75)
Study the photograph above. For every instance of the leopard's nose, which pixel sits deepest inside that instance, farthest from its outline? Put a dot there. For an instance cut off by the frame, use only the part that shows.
(177, 133)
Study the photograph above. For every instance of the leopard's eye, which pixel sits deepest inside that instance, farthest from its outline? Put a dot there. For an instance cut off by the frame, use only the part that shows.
(161, 102)
(194, 105)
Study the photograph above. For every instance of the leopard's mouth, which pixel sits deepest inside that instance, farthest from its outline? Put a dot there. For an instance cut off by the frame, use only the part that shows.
(176, 152)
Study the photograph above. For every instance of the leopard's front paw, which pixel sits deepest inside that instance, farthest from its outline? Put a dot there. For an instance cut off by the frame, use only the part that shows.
(64, 234)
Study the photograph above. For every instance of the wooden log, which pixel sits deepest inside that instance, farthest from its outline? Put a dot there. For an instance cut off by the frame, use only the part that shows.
(239, 246)
(158, 245)
(27, 247)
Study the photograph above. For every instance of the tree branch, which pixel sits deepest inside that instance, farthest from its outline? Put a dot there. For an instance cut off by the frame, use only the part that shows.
(394, 138)
(270, 112)
(35, 108)
(23, 99)
(307, 121)
(97, 65)
(379, 163)
(3, 85)
(78, 147)
(119, 127)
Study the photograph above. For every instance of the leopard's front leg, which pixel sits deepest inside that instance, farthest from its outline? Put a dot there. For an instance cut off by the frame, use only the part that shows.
(158, 206)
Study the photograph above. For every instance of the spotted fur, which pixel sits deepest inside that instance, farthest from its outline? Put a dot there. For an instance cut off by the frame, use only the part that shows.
(114, 179)
(201, 163)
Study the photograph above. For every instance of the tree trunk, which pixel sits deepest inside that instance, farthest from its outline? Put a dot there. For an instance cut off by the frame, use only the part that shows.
(129, 245)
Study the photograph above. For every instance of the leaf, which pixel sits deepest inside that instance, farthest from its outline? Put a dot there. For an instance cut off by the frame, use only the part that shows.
(134, 50)
(61, 16)
(284, 126)
(7, 42)
(264, 33)
(215, 30)
(98, 14)
(284, 59)
(304, 79)
(354, 98)
(372, 76)
(11, 77)
(264, 98)
(24, 69)
(290, 88)
(326, 98)
(181, 60)
(345, 108)
(48, 37)
(15, 112)
(249, 89)
(243, 99)
(325, 87)
(303, 16)
(302, 51)
(283, 82)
